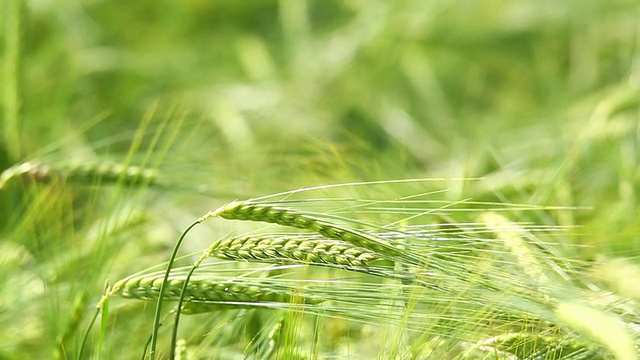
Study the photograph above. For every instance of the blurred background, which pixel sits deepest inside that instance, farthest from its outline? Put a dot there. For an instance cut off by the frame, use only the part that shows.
(541, 98)
(236, 99)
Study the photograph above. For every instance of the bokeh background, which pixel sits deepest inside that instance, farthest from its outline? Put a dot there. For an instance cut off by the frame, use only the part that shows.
(540, 99)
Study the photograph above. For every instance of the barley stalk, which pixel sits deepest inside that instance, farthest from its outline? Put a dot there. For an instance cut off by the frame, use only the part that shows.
(12, 76)
(81, 172)
(242, 210)
(295, 248)
(526, 345)
(301, 249)
(202, 292)
(528, 253)
(218, 288)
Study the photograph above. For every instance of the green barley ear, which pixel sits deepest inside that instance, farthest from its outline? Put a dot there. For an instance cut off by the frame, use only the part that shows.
(271, 340)
(513, 237)
(181, 350)
(620, 274)
(248, 211)
(598, 326)
(306, 250)
(527, 345)
(295, 248)
(82, 173)
(202, 290)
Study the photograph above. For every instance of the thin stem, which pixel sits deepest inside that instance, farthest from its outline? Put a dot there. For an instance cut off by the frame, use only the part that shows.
(12, 99)
(156, 319)
(174, 335)
(86, 334)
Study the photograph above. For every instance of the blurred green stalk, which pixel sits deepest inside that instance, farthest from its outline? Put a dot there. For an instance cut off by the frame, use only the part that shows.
(11, 94)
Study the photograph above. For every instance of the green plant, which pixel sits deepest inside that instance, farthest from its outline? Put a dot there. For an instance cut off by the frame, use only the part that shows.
(471, 284)
(508, 108)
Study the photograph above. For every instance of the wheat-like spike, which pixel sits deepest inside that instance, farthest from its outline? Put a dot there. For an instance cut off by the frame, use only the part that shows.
(527, 251)
(181, 350)
(527, 345)
(82, 172)
(242, 210)
(299, 249)
(312, 250)
(203, 292)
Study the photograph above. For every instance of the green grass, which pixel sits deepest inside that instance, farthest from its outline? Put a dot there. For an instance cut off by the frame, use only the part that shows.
(524, 115)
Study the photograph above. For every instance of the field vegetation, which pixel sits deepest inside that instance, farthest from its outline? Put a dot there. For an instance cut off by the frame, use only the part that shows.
(320, 179)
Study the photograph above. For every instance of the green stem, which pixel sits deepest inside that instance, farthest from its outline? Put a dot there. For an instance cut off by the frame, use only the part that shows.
(156, 319)
(14, 13)
(174, 334)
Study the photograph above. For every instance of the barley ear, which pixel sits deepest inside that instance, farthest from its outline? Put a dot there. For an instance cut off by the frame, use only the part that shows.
(309, 250)
(237, 291)
(242, 210)
(294, 248)
(83, 172)
(526, 345)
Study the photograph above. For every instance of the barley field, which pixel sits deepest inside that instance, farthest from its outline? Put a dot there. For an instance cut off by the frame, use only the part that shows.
(320, 179)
